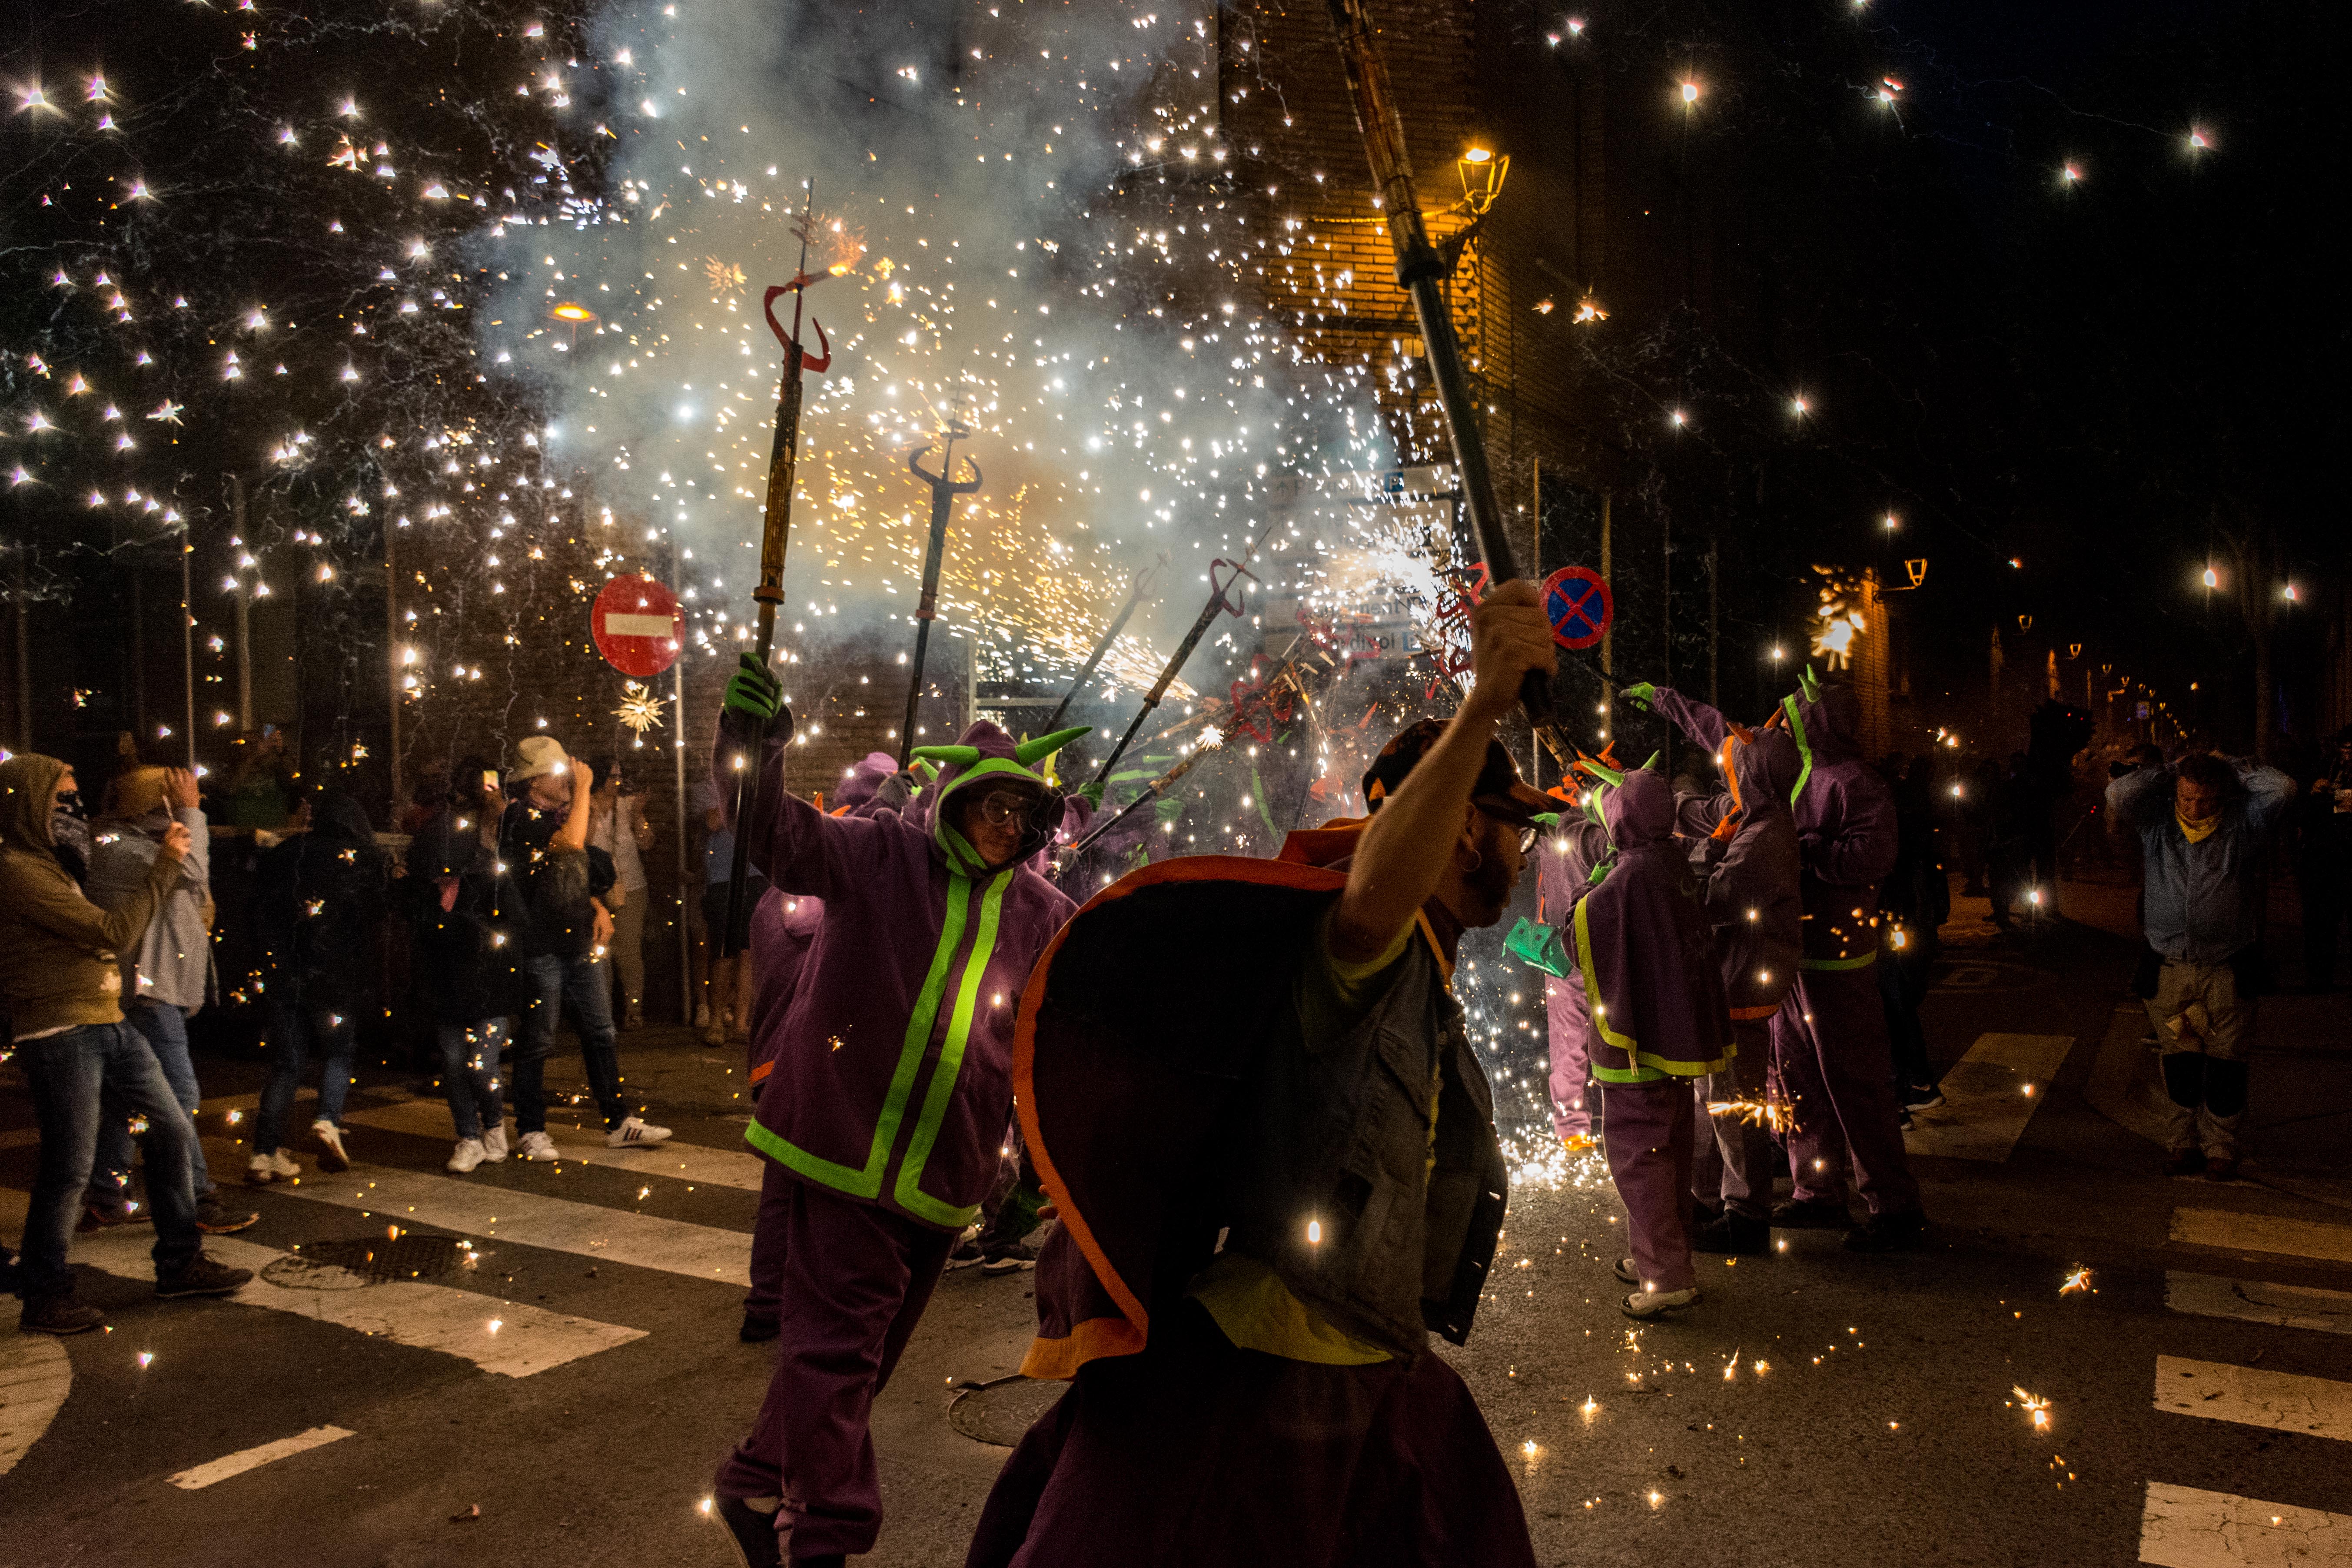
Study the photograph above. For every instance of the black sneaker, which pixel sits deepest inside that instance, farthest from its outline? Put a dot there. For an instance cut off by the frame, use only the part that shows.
(1736, 1235)
(758, 1330)
(967, 1253)
(2184, 1162)
(215, 1220)
(1889, 1233)
(1008, 1258)
(200, 1276)
(108, 1216)
(1809, 1213)
(752, 1526)
(59, 1315)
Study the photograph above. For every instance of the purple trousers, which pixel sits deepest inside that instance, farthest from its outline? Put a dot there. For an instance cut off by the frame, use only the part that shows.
(855, 1281)
(776, 1185)
(1732, 1161)
(1573, 1091)
(1829, 1043)
(1647, 1133)
(1196, 1453)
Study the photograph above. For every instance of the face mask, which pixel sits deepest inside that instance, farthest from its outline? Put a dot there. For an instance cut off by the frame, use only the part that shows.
(2197, 832)
(69, 829)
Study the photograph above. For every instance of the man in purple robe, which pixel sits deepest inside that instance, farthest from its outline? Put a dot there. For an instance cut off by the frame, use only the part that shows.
(887, 1102)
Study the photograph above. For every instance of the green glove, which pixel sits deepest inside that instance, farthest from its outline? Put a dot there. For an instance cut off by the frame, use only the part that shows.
(1092, 794)
(752, 693)
(1640, 694)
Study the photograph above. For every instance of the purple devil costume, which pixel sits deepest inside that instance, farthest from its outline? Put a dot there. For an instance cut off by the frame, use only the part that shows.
(1643, 952)
(886, 1105)
(1743, 848)
(782, 930)
(1564, 860)
(1828, 1037)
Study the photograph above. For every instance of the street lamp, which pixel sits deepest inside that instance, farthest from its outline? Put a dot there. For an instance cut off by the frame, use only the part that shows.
(1482, 174)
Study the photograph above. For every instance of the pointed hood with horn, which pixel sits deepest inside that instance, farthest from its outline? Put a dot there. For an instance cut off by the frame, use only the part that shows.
(987, 753)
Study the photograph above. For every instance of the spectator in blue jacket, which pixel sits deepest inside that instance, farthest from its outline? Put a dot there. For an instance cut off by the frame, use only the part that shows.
(2204, 828)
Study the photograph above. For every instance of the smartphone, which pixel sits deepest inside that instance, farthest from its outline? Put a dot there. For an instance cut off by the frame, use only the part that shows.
(489, 781)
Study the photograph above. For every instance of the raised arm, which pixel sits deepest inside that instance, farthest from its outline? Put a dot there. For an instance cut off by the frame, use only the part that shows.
(1688, 714)
(1411, 838)
(798, 847)
(68, 914)
(2142, 798)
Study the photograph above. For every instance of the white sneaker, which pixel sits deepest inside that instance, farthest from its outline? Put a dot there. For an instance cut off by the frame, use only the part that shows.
(468, 1155)
(635, 1132)
(332, 1158)
(536, 1146)
(1657, 1303)
(494, 1144)
(274, 1167)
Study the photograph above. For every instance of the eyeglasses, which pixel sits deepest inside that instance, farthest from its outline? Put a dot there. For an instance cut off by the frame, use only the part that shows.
(1527, 842)
(1000, 807)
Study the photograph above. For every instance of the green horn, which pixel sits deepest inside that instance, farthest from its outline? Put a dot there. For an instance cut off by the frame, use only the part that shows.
(1028, 753)
(965, 755)
(1602, 772)
(1654, 760)
(1809, 684)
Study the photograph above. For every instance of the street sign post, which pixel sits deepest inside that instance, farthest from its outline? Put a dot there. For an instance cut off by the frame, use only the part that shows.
(1577, 602)
(637, 626)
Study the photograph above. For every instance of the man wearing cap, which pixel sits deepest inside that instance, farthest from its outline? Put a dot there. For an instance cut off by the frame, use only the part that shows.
(1251, 1095)
(543, 841)
(888, 1097)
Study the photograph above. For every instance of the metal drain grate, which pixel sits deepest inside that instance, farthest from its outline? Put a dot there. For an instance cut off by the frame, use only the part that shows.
(349, 1265)
(1001, 1411)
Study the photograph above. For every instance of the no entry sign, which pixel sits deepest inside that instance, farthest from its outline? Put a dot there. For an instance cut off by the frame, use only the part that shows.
(637, 626)
(1579, 605)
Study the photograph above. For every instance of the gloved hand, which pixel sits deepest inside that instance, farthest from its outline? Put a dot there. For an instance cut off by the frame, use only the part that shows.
(1640, 694)
(753, 692)
(1092, 794)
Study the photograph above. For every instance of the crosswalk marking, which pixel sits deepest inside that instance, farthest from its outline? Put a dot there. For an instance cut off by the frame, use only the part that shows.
(2255, 1302)
(2181, 1527)
(2263, 1233)
(558, 1224)
(526, 1340)
(1986, 1106)
(2281, 1401)
(237, 1464)
(689, 1163)
(35, 1376)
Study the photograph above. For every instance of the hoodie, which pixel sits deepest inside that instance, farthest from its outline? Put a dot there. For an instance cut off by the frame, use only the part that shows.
(318, 899)
(1847, 831)
(465, 919)
(59, 967)
(1743, 847)
(172, 962)
(1642, 948)
(892, 1069)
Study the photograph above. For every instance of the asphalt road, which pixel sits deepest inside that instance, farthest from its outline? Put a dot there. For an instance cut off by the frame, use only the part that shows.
(560, 1388)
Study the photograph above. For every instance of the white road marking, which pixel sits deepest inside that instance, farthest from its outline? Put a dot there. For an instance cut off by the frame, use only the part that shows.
(2181, 1527)
(2281, 1401)
(35, 1376)
(229, 1464)
(525, 1339)
(2255, 1302)
(558, 1224)
(1986, 1106)
(676, 1162)
(2263, 1233)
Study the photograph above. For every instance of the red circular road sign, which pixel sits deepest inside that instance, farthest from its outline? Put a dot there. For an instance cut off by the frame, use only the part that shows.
(637, 626)
(1579, 605)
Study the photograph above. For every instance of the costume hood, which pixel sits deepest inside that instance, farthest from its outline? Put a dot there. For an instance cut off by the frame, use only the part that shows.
(1638, 811)
(1825, 722)
(988, 754)
(28, 782)
(867, 778)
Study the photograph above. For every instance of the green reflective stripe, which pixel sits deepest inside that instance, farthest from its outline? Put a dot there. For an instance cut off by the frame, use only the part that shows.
(1865, 961)
(867, 1182)
(916, 1202)
(1625, 1043)
(1637, 1073)
(1797, 733)
(1646, 1066)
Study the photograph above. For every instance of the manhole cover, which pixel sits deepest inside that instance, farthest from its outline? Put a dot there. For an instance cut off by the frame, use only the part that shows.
(349, 1265)
(999, 1412)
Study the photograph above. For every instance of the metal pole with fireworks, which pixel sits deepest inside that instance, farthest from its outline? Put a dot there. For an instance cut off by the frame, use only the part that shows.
(1221, 602)
(1421, 271)
(944, 490)
(1151, 792)
(769, 594)
(1085, 671)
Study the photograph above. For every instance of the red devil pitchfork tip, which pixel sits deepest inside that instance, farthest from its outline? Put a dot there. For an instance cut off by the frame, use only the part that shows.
(800, 280)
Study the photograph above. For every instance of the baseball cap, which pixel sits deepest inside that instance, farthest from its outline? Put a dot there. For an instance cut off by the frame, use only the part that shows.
(1498, 790)
(540, 754)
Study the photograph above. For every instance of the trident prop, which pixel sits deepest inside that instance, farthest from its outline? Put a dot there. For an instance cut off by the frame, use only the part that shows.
(770, 591)
(1221, 600)
(1118, 625)
(944, 490)
(1419, 270)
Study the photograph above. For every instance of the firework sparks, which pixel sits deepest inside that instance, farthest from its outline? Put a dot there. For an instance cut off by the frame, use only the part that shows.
(2033, 1405)
(640, 709)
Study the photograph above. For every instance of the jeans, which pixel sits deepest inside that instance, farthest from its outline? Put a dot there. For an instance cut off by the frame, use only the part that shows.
(629, 949)
(550, 981)
(166, 1028)
(469, 1074)
(102, 1070)
(295, 1027)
